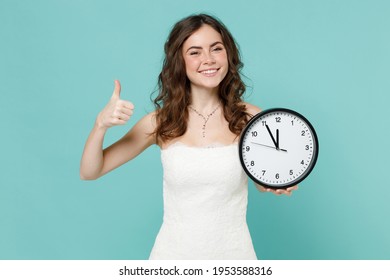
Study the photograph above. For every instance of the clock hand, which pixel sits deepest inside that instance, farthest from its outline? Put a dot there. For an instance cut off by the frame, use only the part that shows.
(273, 139)
(277, 139)
(268, 146)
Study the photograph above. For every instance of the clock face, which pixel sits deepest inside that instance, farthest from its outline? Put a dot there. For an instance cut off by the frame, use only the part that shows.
(278, 148)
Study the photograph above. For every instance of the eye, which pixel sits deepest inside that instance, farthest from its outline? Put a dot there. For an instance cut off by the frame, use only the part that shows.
(194, 52)
(217, 49)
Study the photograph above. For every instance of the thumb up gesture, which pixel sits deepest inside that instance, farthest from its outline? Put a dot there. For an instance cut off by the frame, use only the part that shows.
(117, 111)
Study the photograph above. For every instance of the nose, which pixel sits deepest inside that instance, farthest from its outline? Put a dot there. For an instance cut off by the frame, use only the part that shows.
(208, 59)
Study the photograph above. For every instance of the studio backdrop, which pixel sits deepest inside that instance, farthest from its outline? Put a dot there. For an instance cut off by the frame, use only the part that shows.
(328, 60)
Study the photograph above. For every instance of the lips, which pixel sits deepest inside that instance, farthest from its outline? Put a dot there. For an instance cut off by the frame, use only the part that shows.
(209, 72)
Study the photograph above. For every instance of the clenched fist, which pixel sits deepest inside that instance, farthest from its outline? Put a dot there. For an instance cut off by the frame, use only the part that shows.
(117, 111)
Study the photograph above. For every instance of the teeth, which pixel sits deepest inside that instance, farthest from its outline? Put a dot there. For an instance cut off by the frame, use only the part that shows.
(209, 71)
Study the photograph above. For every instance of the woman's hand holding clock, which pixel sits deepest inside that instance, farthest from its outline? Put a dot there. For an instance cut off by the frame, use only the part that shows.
(116, 112)
(287, 191)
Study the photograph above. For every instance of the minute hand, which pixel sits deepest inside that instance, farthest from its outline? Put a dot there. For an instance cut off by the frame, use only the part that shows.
(268, 146)
(276, 142)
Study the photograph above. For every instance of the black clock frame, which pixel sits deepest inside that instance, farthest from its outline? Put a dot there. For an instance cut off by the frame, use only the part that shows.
(312, 163)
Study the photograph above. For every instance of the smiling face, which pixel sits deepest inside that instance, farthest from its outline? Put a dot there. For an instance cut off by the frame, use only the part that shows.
(205, 58)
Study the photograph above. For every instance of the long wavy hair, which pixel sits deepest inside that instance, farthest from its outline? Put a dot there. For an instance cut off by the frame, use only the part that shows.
(174, 86)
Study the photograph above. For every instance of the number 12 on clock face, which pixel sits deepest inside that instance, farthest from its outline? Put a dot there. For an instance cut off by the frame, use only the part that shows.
(278, 148)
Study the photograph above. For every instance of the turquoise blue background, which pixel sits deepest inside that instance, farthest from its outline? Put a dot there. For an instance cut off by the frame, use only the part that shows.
(328, 60)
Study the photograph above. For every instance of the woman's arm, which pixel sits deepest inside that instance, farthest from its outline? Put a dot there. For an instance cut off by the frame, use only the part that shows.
(95, 161)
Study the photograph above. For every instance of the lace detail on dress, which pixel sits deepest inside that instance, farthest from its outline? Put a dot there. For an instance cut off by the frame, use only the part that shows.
(205, 201)
(208, 146)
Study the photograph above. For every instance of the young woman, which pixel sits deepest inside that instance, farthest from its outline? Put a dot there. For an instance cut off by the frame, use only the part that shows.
(197, 122)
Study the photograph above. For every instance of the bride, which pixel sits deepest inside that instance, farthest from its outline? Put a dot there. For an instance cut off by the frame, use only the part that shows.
(197, 122)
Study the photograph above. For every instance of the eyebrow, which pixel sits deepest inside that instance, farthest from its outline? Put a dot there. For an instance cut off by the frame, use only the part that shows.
(199, 48)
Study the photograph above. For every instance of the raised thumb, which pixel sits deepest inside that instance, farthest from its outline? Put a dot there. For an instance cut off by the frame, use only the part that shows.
(117, 90)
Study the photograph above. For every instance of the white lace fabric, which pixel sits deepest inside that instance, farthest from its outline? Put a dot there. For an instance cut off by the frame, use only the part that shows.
(205, 200)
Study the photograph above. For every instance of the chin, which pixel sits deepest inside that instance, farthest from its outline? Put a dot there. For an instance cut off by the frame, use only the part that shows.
(208, 85)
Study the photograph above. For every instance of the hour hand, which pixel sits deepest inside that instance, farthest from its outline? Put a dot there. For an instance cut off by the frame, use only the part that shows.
(276, 142)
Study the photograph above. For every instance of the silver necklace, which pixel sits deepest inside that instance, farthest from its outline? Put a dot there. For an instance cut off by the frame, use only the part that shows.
(205, 118)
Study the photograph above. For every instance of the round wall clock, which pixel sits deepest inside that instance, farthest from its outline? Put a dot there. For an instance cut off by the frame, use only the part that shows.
(278, 148)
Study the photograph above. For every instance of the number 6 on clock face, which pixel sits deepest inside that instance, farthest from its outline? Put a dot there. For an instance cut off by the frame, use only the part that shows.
(278, 148)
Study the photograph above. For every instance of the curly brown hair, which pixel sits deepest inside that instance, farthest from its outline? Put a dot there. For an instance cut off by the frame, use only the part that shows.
(174, 86)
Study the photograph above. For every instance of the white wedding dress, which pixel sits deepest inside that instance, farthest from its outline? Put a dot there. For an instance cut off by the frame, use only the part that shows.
(205, 201)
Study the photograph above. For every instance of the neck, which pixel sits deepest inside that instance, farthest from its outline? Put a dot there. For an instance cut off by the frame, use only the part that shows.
(204, 100)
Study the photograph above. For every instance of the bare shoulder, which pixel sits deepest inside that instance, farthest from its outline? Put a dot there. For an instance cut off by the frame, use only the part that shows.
(143, 130)
(252, 109)
(148, 122)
